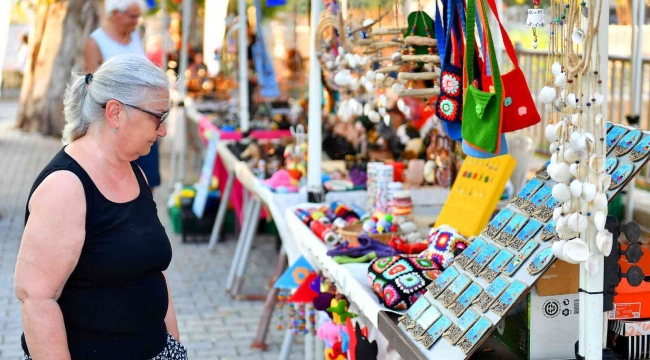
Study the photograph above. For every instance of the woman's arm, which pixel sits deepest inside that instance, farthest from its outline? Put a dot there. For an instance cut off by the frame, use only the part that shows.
(92, 56)
(49, 252)
(170, 318)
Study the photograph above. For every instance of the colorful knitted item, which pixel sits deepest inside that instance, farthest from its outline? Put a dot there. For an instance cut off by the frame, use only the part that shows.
(444, 241)
(399, 280)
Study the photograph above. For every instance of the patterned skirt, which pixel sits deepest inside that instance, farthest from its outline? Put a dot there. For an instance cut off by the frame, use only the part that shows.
(173, 351)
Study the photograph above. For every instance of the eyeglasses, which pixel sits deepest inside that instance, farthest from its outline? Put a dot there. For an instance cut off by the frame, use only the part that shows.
(131, 15)
(161, 117)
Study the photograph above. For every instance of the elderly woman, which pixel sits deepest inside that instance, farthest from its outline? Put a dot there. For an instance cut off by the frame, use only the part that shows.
(118, 35)
(90, 270)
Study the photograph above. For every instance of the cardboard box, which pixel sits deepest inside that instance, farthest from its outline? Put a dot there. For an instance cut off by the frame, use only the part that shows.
(542, 327)
(561, 278)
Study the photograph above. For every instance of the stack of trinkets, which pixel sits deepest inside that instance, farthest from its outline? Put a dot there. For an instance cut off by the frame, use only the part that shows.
(577, 132)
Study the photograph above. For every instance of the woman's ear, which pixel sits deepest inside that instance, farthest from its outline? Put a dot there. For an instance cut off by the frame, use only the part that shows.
(112, 113)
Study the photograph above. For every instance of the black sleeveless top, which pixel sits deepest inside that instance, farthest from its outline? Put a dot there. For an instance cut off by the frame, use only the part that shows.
(115, 301)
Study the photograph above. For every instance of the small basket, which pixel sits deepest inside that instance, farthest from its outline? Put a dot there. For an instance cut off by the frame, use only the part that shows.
(351, 234)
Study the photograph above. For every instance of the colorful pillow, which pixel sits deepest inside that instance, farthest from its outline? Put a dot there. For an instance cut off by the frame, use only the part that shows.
(444, 241)
(398, 281)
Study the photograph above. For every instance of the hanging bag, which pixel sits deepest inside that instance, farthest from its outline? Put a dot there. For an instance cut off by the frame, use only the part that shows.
(450, 100)
(481, 127)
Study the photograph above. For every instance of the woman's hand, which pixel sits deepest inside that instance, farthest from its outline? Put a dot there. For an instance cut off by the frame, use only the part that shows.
(50, 249)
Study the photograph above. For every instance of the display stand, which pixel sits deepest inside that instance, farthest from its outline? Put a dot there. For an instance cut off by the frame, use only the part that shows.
(627, 152)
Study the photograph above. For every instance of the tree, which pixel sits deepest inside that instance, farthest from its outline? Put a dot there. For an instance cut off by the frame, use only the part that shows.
(56, 46)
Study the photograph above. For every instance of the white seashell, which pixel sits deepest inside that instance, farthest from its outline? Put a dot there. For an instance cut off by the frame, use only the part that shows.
(547, 94)
(572, 100)
(582, 154)
(370, 75)
(366, 109)
(575, 118)
(556, 68)
(576, 188)
(387, 120)
(370, 87)
(368, 22)
(599, 119)
(597, 163)
(588, 191)
(561, 173)
(558, 104)
(341, 79)
(553, 147)
(604, 242)
(397, 87)
(561, 129)
(604, 181)
(560, 80)
(379, 77)
(566, 207)
(600, 99)
(558, 248)
(550, 133)
(352, 61)
(577, 141)
(599, 220)
(578, 36)
(599, 202)
(577, 222)
(570, 155)
(557, 212)
(561, 192)
(591, 265)
(590, 138)
(575, 251)
(573, 169)
(382, 111)
(383, 99)
(374, 116)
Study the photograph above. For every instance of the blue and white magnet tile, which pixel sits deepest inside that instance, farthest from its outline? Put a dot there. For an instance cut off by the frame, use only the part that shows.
(545, 212)
(424, 322)
(610, 165)
(443, 281)
(454, 290)
(466, 299)
(508, 298)
(628, 142)
(414, 312)
(470, 252)
(496, 266)
(621, 175)
(537, 200)
(460, 327)
(526, 233)
(540, 261)
(489, 296)
(520, 258)
(497, 223)
(483, 259)
(474, 335)
(549, 232)
(543, 172)
(435, 332)
(614, 136)
(640, 150)
(527, 192)
(511, 229)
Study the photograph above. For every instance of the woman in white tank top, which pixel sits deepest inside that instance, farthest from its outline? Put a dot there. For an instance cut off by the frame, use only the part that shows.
(118, 36)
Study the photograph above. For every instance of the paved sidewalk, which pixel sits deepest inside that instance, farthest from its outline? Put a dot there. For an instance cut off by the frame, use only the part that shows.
(212, 325)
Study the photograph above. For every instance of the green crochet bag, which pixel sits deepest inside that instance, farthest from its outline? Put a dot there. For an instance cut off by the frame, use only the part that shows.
(481, 126)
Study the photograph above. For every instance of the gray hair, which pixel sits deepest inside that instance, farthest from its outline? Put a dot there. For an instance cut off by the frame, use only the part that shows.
(127, 78)
(122, 5)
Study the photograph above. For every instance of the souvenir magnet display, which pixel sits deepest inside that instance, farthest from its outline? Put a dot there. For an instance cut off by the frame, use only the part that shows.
(442, 282)
(483, 259)
(627, 142)
(470, 252)
(494, 268)
(497, 223)
(610, 165)
(489, 296)
(474, 335)
(419, 326)
(549, 232)
(511, 229)
(540, 261)
(545, 212)
(537, 200)
(415, 311)
(529, 189)
(435, 332)
(621, 175)
(508, 298)
(640, 150)
(520, 258)
(543, 172)
(526, 233)
(613, 136)
(460, 327)
(466, 299)
(454, 290)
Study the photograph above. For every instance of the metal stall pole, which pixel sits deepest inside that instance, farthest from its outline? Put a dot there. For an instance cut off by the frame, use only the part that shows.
(314, 186)
(243, 66)
(221, 213)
